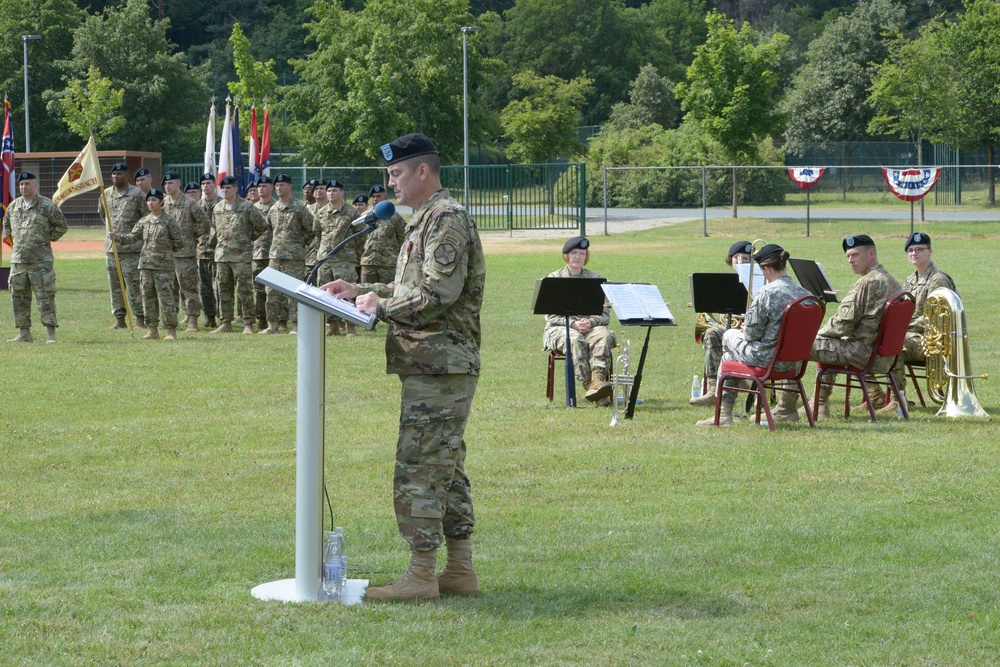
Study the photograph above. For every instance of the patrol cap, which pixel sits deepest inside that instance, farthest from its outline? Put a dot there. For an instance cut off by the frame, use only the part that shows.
(142, 172)
(334, 183)
(153, 192)
(207, 177)
(407, 146)
(741, 246)
(192, 185)
(767, 252)
(376, 189)
(119, 166)
(265, 180)
(171, 176)
(917, 237)
(857, 241)
(229, 180)
(26, 176)
(282, 178)
(576, 242)
(360, 199)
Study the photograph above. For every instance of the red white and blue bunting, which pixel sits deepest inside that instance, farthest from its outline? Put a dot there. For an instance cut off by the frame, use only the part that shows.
(912, 184)
(806, 177)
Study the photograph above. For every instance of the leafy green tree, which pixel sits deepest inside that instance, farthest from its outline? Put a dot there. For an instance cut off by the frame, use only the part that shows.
(652, 100)
(732, 88)
(256, 80)
(679, 25)
(91, 106)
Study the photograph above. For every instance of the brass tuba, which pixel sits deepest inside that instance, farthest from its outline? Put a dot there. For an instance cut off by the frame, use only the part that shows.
(946, 346)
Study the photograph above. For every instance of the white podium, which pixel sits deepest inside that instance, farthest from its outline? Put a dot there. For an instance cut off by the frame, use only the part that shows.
(313, 307)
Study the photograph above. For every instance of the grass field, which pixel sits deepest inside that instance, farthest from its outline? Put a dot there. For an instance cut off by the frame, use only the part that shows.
(147, 486)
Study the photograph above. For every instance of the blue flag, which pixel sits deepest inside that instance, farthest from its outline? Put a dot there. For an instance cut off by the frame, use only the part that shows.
(238, 171)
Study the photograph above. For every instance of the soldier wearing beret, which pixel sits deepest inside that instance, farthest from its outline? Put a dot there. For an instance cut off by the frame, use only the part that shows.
(193, 190)
(262, 249)
(319, 203)
(332, 225)
(291, 227)
(143, 180)
(206, 254)
(591, 338)
(31, 223)
(252, 195)
(378, 258)
(193, 222)
(432, 308)
(126, 205)
(360, 203)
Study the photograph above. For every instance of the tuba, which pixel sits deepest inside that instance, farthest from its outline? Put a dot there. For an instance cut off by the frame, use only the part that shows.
(621, 381)
(946, 347)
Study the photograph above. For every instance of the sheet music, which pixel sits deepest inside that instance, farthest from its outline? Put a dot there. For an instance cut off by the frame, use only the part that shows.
(758, 276)
(826, 278)
(637, 302)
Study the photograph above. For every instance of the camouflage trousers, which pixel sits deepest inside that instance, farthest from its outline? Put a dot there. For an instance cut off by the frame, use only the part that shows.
(235, 277)
(846, 353)
(378, 274)
(207, 286)
(913, 350)
(330, 272)
(431, 492)
(37, 277)
(259, 290)
(279, 307)
(157, 296)
(711, 340)
(130, 274)
(591, 351)
(186, 270)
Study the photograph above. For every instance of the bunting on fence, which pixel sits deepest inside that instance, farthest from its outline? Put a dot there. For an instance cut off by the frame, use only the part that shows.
(911, 184)
(806, 177)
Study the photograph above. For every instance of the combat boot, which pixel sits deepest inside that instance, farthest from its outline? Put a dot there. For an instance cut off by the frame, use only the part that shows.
(271, 328)
(877, 394)
(333, 328)
(140, 322)
(351, 331)
(210, 322)
(261, 323)
(171, 334)
(708, 398)
(192, 326)
(788, 401)
(823, 407)
(890, 408)
(119, 323)
(293, 328)
(23, 337)
(458, 577)
(50, 334)
(248, 328)
(152, 334)
(418, 583)
(283, 325)
(600, 388)
(725, 415)
(225, 327)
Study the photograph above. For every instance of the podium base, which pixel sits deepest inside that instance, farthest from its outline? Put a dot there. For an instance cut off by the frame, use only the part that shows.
(284, 591)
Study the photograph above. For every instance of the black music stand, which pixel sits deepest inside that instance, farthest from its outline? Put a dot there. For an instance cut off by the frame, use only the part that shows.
(811, 276)
(568, 297)
(721, 293)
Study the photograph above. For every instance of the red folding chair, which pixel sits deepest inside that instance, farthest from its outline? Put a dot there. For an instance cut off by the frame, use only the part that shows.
(896, 316)
(800, 321)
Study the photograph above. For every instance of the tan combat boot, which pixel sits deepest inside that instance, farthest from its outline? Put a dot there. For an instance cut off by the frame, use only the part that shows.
(418, 583)
(140, 322)
(333, 328)
(50, 334)
(152, 334)
(272, 327)
(600, 388)
(23, 337)
(823, 408)
(708, 398)
(192, 324)
(725, 415)
(119, 323)
(351, 330)
(458, 577)
(293, 328)
(261, 324)
(788, 401)
(225, 327)
(210, 322)
(171, 334)
(248, 328)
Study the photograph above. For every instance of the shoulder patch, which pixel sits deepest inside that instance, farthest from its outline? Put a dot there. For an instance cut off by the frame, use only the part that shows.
(446, 253)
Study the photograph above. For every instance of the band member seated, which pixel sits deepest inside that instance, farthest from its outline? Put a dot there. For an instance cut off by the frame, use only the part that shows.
(711, 338)
(591, 338)
(754, 344)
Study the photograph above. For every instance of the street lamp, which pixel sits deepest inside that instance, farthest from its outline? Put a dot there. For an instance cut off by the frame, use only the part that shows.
(27, 118)
(465, 103)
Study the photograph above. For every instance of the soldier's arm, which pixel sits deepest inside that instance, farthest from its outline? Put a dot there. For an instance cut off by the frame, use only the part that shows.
(132, 236)
(176, 235)
(850, 312)
(58, 223)
(258, 223)
(6, 224)
(201, 219)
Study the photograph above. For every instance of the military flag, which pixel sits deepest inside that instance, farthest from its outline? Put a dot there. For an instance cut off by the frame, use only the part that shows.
(226, 146)
(7, 162)
(209, 166)
(238, 171)
(252, 172)
(264, 164)
(82, 176)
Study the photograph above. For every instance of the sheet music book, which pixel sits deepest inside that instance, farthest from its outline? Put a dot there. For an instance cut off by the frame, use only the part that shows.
(758, 276)
(344, 309)
(811, 275)
(638, 304)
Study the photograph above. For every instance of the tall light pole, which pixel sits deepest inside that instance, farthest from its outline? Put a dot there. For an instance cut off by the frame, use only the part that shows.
(465, 103)
(27, 118)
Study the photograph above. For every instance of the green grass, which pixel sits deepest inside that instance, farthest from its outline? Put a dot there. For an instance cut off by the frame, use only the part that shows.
(146, 487)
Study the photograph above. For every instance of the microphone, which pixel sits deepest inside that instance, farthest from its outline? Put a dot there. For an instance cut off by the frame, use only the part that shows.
(382, 211)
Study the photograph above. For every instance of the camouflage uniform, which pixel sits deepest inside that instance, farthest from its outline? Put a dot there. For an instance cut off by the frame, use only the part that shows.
(850, 334)
(161, 237)
(206, 262)
(261, 254)
(291, 227)
(711, 340)
(433, 345)
(332, 226)
(591, 351)
(920, 287)
(233, 231)
(378, 259)
(126, 207)
(313, 247)
(193, 221)
(33, 226)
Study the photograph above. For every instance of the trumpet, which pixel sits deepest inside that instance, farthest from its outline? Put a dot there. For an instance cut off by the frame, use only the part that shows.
(621, 380)
(946, 347)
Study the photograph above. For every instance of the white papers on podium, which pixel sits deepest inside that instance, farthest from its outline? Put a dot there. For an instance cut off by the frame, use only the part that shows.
(637, 304)
(345, 309)
(758, 276)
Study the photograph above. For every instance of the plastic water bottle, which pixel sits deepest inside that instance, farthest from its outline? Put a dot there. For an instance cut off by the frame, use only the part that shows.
(343, 556)
(332, 574)
(695, 387)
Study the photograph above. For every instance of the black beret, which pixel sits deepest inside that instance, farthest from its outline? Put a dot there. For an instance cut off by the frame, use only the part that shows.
(153, 192)
(229, 180)
(857, 241)
(282, 178)
(361, 199)
(410, 145)
(915, 238)
(741, 246)
(576, 242)
(265, 180)
(207, 177)
(171, 176)
(192, 185)
(768, 251)
(334, 183)
(26, 176)
(142, 172)
(119, 166)
(251, 185)
(376, 188)
(313, 182)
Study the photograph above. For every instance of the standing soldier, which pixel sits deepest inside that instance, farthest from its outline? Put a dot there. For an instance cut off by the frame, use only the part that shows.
(192, 190)
(126, 205)
(235, 225)
(32, 222)
(378, 259)
(193, 222)
(143, 180)
(262, 250)
(333, 225)
(252, 196)
(360, 203)
(319, 203)
(206, 262)
(292, 229)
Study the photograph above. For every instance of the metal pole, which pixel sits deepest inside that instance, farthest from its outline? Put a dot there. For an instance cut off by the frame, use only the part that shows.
(605, 170)
(27, 117)
(704, 202)
(465, 106)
